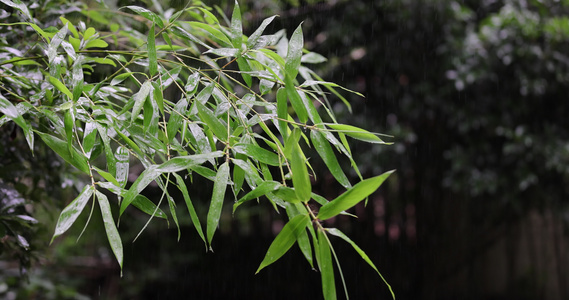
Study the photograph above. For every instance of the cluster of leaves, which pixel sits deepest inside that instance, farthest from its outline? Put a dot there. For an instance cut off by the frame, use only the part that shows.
(186, 96)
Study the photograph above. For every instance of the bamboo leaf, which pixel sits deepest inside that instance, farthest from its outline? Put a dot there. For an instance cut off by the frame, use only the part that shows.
(110, 227)
(151, 43)
(326, 267)
(325, 151)
(352, 196)
(176, 119)
(193, 215)
(74, 157)
(357, 133)
(300, 177)
(284, 240)
(261, 190)
(252, 41)
(149, 15)
(258, 153)
(122, 165)
(139, 99)
(295, 99)
(8, 109)
(294, 53)
(236, 27)
(218, 194)
(180, 163)
(338, 233)
(72, 211)
(61, 87)
(208, 117)
(143, 180)
(148, 207)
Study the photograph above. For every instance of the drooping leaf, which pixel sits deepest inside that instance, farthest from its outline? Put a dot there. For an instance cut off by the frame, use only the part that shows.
(295, 99)
(284, 240)
(300, 176)
(148, 207)
(214, 124)
(338, 233)
(112, 233)
(17, 4)
(143, 180)
(152, 60)
(176, 118)
(72, 211)
(261, 190)
(327, 154)
(352, 196)
(139, 99)
(303, 242)
(8, 109)
(214, 213)
(60, 86)
(326, 267)
(193, 215)
(74, 157)
(122, 165)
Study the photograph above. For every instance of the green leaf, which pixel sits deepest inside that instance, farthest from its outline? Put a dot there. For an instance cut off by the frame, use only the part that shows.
(8, 109)
(214, 213)
(357, 133)
(338, 233)
(258, 153)
(244, 67)
(149, 15)
(300, 177)
(326, 267)
(69, 123)
(110, 227)
(284, 240)
(17, 4)
(236, 27)
(97, 43)
(148, 207)
(140, 98)
(72, 211)
(70, 27)
(193, 215)
(327, 153)
(213, 33)
(60, 86)
(295, 99)
(122, 165)
(352, 196)
(303, 241)
(143, 180)
(121, 77)
(176, 118)
(313, 58)
(208, 117)
(261, 190)
(252, 41)
(152, 61)
(180, 163)
(74, 157)
(294, 53)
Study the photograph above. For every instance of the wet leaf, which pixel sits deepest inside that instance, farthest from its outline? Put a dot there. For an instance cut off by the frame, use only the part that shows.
(338, 233)
(214, 213)
(327, 154)
(326, 267)
(258, 153)
(122, 165)
(152, 60)
(149, 15)
(193, 215)
(74, 157)
(357, 133)
(261, 190)
(252, 41)
(352, 196)
(72, 211)
(110, 227)
(294, 53)
(236, 27)
(284, 240)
